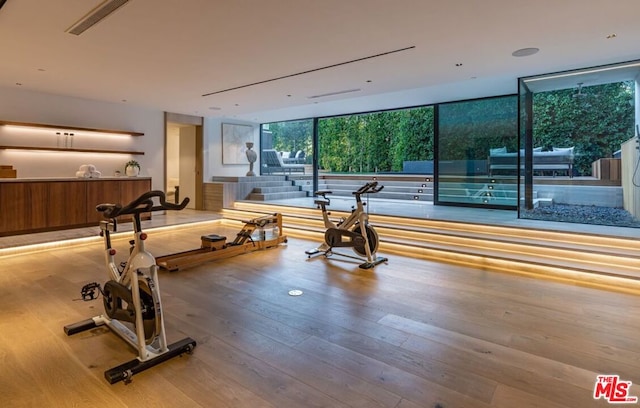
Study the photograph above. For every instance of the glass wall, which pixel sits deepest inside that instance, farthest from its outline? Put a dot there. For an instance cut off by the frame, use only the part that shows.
(287, 147)
(398, 141)
(581, 123)
(477, 152)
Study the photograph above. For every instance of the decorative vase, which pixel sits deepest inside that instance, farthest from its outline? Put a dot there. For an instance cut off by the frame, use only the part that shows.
(252, 157)
(132, 171)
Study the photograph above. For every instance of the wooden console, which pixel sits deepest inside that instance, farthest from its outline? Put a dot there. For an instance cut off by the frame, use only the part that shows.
(37, 205)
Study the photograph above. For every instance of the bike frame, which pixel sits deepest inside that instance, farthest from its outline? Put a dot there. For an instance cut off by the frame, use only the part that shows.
(358, 218)
(358, 215)
(139, 272)
(140, 263)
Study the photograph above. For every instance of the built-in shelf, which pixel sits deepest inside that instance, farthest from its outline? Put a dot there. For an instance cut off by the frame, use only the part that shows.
(65, 138)
(70, 128)
(66, 149)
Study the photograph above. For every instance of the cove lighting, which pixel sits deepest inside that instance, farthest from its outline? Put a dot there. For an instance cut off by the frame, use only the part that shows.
(124, 234)
(54, 131)
(60, 154)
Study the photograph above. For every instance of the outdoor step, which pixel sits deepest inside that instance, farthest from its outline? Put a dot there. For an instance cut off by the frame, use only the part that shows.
(388, 189)
(277, 196)
(245, 179)
(277, 189)
(355, 184)
(424, 196)
(303, 183)
(266, 184)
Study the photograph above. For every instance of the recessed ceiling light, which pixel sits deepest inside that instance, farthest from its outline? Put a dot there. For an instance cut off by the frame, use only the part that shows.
(41, 69)
(237, 104)
(124, 100)
(458, 64)
(19, 83)
(612, 35)
(525, 52)
(368, 80)
(288, 95)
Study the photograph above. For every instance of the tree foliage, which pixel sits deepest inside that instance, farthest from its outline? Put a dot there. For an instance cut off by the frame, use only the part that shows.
(595, 120)
(376, 142)
(293, 136)
(468, 129)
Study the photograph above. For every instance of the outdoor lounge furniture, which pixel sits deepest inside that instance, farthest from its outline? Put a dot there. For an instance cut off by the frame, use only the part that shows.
(272, 163)
(558, 159)
(291, 158)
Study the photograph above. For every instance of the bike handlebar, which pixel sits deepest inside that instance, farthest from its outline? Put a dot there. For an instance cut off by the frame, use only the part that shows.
(142, 204)
(371, 187)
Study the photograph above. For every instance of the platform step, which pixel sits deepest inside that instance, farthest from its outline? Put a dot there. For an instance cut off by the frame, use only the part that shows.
(573, 257)
(277, 196)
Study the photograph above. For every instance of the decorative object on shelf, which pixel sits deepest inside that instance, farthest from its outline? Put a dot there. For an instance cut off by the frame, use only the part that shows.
(252, 156)
(132, 168)
(88, 171)
(7, 171)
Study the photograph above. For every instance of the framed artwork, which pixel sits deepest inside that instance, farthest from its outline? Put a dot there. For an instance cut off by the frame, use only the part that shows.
(234, 143)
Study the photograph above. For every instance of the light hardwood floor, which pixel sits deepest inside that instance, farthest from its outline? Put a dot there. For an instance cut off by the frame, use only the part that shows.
(408, 334)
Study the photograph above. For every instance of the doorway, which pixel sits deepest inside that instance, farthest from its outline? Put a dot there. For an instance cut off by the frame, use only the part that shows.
(183, 158)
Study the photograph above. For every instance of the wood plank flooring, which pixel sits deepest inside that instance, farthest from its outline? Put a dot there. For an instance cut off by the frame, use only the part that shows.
(408, 334)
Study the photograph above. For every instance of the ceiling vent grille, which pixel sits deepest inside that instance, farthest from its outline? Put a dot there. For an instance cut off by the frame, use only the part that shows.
(334, 93)
(95, 16)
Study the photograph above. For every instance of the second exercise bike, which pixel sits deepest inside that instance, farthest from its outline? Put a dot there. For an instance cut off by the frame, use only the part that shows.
(352, 232)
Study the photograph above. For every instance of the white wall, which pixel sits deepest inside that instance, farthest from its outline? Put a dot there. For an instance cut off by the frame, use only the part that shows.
(212, 150)
(19, 105)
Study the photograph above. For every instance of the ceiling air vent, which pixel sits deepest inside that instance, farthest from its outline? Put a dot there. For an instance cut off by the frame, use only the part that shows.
(334, 93)
(95, 16)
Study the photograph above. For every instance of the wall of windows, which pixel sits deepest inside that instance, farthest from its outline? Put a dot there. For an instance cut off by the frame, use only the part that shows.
(477, 152)
(555, 151)
(578, 125)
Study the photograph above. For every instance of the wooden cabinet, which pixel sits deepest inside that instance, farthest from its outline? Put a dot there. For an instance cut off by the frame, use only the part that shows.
(102, 192)
(33, 206)
(64, 207)
(21, 206)
(114, 192)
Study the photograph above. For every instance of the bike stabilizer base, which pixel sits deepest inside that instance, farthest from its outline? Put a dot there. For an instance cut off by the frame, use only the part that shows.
(377, 261)
(125, 371)
(328, 252)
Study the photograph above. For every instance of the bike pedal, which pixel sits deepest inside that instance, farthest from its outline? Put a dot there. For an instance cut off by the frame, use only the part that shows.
(88, 291)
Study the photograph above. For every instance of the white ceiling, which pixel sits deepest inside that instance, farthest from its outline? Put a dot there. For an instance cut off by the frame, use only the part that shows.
(165, 55)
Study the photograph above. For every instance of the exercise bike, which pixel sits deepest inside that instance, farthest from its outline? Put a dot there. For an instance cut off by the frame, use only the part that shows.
(131, 296)
(353, 232)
